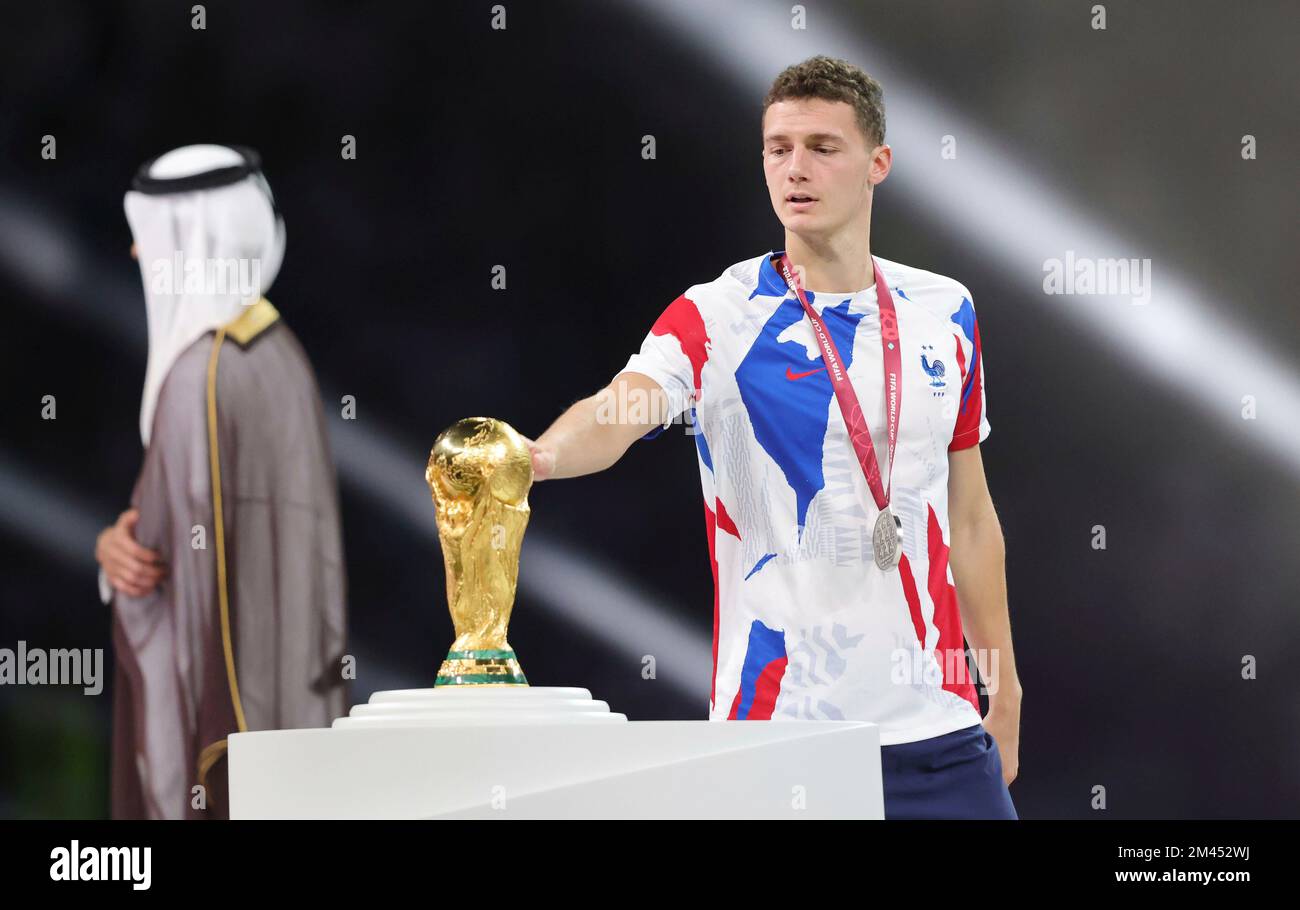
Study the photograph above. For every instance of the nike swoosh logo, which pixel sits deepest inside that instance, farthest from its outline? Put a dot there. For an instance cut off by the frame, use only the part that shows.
(789, 374)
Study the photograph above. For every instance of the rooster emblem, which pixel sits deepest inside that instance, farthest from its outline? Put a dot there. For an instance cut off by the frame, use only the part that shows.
(934, 369)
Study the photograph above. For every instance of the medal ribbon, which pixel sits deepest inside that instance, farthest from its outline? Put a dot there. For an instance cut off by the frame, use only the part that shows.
(859, 435)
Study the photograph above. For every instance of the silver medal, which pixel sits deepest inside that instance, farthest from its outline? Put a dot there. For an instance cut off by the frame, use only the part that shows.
(885, 539)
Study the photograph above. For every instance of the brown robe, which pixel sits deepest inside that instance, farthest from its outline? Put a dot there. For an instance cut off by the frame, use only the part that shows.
(284, 564)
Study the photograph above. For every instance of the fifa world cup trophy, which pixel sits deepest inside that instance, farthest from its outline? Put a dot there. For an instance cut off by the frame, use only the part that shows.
(479, 473)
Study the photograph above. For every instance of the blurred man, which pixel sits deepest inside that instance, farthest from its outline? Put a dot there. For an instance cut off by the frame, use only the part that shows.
(226, 574)
(837, 406)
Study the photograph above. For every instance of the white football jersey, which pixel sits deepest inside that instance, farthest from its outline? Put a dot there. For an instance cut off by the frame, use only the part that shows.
(805, 625)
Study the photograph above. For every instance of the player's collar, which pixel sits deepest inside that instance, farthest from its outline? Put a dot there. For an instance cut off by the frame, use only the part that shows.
(770, 281)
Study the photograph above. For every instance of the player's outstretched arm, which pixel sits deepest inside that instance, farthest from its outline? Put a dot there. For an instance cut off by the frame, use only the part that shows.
(595, 432)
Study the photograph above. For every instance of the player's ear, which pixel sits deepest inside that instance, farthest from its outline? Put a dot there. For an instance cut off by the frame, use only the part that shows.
(882, 160)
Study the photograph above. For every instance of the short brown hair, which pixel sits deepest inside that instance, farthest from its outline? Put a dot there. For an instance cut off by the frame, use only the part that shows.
(832, 79)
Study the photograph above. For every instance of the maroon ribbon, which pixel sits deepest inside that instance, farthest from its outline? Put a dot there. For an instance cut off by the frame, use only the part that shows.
(859, 435)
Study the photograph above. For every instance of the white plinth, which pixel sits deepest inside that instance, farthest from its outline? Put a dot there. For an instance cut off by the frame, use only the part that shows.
(475, 705)
(536, 752)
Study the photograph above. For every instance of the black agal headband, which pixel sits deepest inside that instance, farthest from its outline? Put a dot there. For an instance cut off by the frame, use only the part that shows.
(204, 180)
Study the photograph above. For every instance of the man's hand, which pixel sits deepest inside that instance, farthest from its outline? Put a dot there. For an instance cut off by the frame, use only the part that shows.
(129, 567)
(1003, 724)
(543, 460)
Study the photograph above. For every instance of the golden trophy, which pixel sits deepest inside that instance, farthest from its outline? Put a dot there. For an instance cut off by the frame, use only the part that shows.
(479, 473)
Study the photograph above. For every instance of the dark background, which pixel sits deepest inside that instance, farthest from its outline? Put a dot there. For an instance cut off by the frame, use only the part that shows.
(522, 148)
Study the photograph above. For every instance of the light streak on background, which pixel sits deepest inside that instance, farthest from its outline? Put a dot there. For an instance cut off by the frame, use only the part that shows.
(992, 197)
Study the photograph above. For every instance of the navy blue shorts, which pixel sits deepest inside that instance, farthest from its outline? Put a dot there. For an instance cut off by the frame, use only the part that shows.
(956, 775)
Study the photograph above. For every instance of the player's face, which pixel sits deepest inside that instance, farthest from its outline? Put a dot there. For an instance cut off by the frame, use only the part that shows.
(818, 166)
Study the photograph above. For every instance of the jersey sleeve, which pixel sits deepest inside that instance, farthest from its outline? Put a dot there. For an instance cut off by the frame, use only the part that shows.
(972, 424)
(673, 354)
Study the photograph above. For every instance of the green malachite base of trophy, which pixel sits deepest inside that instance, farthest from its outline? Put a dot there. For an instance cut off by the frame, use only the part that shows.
(479, 474)
(486, 666)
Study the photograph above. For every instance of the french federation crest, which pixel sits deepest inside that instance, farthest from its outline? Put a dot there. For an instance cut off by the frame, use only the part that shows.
(934, 369)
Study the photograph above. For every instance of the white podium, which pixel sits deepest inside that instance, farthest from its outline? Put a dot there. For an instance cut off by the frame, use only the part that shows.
(538, 752)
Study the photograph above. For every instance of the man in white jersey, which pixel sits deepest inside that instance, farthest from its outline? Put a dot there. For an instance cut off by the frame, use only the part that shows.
(837, 595)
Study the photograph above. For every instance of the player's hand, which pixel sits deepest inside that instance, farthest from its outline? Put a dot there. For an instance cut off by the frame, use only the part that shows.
(129, 567)
(1004, 727)
(543, 460)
